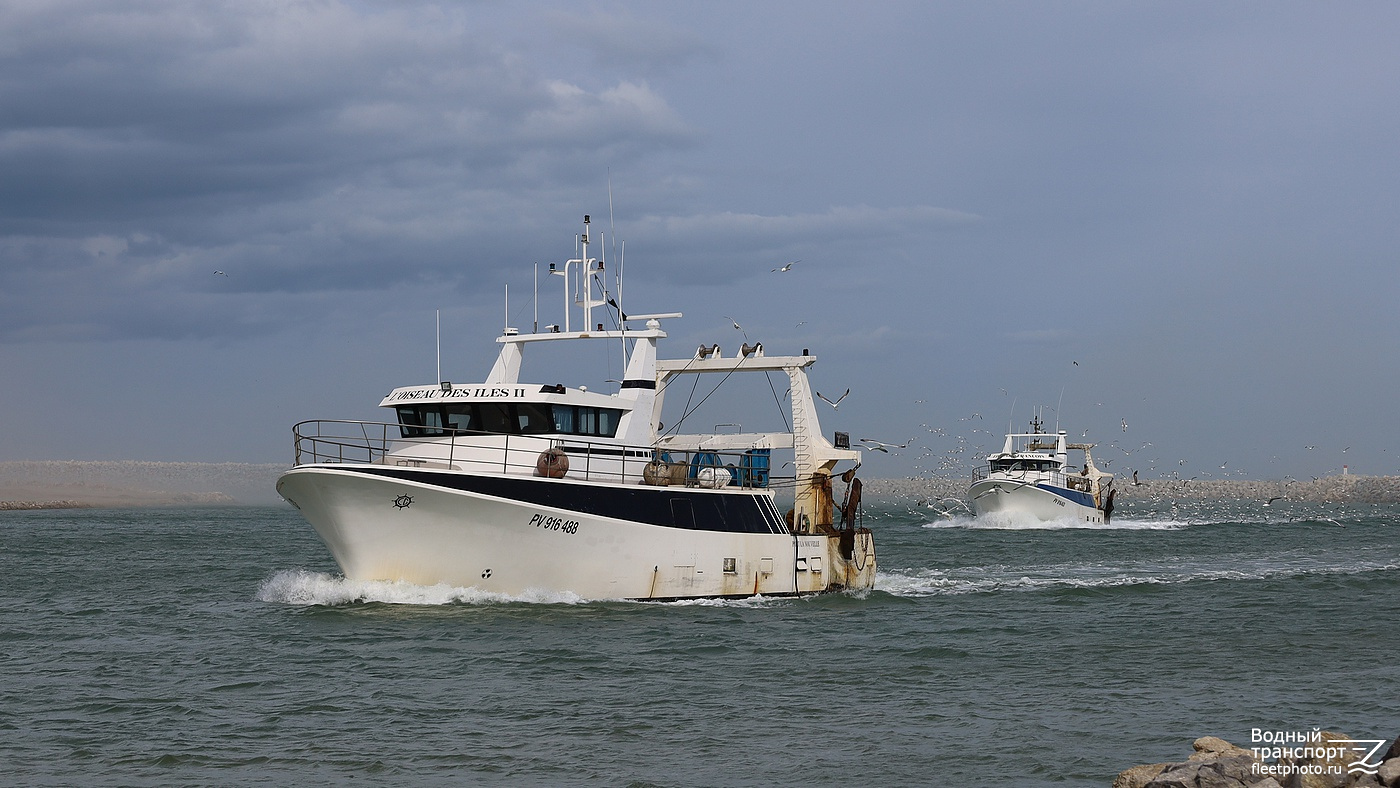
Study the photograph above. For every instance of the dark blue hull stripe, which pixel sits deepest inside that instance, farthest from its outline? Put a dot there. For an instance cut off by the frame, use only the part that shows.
(1074, 496)
(669, 507)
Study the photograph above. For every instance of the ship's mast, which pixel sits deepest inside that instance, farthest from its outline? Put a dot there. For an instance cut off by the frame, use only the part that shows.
(587, 266)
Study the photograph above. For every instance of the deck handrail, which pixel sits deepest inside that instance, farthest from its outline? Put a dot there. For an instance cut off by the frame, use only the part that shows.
(335, 441)
(1057, 478)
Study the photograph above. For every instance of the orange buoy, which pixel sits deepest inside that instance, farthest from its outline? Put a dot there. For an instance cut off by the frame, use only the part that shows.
(552, 464)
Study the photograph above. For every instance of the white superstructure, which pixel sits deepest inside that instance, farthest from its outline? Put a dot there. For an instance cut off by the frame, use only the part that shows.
(511, 487)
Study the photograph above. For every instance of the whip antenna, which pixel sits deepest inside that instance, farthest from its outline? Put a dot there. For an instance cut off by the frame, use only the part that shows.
(612, 232)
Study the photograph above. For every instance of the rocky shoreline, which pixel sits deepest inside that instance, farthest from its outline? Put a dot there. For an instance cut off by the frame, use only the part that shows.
(80, 484)
(117, 500)
(25, 505)
(1324, 760)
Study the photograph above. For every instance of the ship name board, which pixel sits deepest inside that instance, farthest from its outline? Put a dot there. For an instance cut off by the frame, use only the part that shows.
(475, 392)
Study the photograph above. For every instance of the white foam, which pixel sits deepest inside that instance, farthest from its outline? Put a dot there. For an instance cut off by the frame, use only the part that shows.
(1018, 521)
(982, 579)
(759, 601)
(301, 587)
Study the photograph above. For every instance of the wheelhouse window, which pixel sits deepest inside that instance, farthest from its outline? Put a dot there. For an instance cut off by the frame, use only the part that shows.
(420, 422)
(462, 416)
(1013, 466)
(533, 418)
(506, 418)
(495, 417)
(582, 420)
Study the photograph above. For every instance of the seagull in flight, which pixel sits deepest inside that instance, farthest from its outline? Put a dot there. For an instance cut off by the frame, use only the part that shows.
(884, 447)
(944, 512)
(220, 273)
(835, 404)
(785, 268)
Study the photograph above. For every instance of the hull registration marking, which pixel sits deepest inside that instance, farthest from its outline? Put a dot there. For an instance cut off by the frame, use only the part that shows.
(551, 523)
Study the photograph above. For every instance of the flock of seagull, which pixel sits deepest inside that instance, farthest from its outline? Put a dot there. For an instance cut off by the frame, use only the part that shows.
(953, 465)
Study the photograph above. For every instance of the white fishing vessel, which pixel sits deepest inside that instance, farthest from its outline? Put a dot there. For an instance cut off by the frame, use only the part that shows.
(1032, 475)
(516, 487)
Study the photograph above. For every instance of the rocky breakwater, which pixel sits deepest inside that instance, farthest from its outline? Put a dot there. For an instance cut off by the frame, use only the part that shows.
(1332, 760)
(64, 484)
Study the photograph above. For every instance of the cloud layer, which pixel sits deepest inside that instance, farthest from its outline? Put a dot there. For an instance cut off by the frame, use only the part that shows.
(227, 205)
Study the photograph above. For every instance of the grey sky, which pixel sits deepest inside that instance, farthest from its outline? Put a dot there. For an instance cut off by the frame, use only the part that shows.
(1193, 201)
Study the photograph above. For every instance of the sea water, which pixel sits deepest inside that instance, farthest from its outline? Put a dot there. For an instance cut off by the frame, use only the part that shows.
(221, 646)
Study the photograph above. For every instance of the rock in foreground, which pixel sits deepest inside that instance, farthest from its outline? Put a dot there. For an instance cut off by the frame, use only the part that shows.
(1326, 763)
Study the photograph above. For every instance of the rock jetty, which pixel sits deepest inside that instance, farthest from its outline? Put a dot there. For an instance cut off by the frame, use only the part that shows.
(69, 484)
(1328, 762)
(26, 505)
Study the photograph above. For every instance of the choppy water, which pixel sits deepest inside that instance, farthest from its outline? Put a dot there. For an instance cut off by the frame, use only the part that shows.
(218, 646)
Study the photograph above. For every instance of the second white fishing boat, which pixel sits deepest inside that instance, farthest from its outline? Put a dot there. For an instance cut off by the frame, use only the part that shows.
(1032, 476)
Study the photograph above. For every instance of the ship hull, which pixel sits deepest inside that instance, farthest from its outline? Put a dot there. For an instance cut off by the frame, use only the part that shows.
(517, 535)
(1040, 500)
